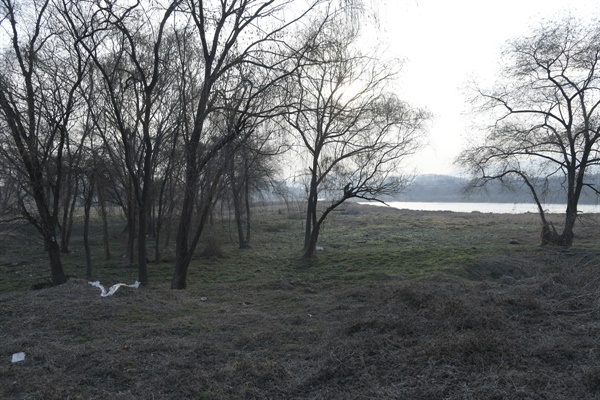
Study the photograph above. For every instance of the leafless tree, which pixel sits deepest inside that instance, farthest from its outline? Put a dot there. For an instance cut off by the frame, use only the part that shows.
(353, 135)
(545, 118)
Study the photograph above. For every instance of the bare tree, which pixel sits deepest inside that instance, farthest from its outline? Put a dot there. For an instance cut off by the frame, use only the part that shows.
(39, 78)
(545, 118)
(353, 135)
(231, 32)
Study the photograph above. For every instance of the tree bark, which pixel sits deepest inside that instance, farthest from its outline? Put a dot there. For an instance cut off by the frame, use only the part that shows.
(142, 261)
(566, 238)
(67, 218)
(311, 209)
(157, 255)
(86, 229)
(237, 193)
(104, 216)
(130, 231)
(68, 228)
(181, 241)
(239, 221)
(58, 275)
(185, 251)
(310, 248)
(248, 216)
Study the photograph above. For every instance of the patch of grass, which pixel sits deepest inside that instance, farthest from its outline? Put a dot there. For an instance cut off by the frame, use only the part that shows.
(398, 305)
(360, 243)
(279, 226)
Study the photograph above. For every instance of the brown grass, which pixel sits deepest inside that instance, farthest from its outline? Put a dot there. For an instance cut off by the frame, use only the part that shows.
(523, 324)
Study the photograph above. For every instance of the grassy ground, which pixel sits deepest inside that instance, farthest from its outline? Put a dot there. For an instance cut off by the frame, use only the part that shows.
(398, 305)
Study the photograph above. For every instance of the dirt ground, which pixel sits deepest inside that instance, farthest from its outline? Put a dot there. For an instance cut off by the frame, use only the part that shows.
(520, 325)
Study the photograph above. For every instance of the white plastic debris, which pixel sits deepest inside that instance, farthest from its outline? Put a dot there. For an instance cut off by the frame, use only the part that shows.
(113, 288)
(18, 357)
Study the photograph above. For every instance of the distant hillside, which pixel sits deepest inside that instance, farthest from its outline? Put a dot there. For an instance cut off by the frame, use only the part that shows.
(445, 188)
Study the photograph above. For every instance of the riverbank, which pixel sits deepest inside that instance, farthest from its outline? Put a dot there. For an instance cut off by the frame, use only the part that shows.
(494, 208)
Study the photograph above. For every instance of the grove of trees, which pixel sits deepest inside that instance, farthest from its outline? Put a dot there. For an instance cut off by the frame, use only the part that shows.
(165, 108)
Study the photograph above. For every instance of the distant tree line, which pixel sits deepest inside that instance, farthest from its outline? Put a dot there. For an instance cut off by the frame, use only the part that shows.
(445, 188)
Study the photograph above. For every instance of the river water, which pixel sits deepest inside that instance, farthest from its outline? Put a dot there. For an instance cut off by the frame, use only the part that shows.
(496, 208)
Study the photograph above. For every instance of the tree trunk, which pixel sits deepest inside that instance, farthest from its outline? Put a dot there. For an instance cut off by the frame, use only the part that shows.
(104, 216)
(69, 226)
(181, 241)
(179, 280)
(566, 238)
(48, 226)
(68, 205)
(184, 253)
(58, 275)
(142, 261)
(158, 224)
(311, 215)
(239, 222)
(575, 185)
(248, 219)
(144, 205)
(150, 219)
(157, 254)
(86, 230)
(168, 228)
(131, 222)
(237, 206)
(549, 234)
(551, 237)
(310, 249)
(239, 216)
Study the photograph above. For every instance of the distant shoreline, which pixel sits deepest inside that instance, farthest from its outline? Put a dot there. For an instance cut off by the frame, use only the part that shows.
(484, 207)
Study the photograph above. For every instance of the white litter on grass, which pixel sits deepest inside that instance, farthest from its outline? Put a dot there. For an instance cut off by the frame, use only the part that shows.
(113, 288)
(18, 357)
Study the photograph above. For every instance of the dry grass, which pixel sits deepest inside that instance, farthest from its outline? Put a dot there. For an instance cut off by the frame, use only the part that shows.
(514, 322)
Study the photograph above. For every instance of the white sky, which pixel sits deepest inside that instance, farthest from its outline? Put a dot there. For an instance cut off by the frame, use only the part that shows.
(445, 43)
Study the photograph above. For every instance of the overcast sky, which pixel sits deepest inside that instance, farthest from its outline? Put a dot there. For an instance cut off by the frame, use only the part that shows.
(444, 44)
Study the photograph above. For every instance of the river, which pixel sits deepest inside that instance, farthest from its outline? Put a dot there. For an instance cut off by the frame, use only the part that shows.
(496, 208)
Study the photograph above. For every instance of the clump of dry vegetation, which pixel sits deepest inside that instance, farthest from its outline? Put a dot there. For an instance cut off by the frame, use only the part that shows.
(380, 314)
